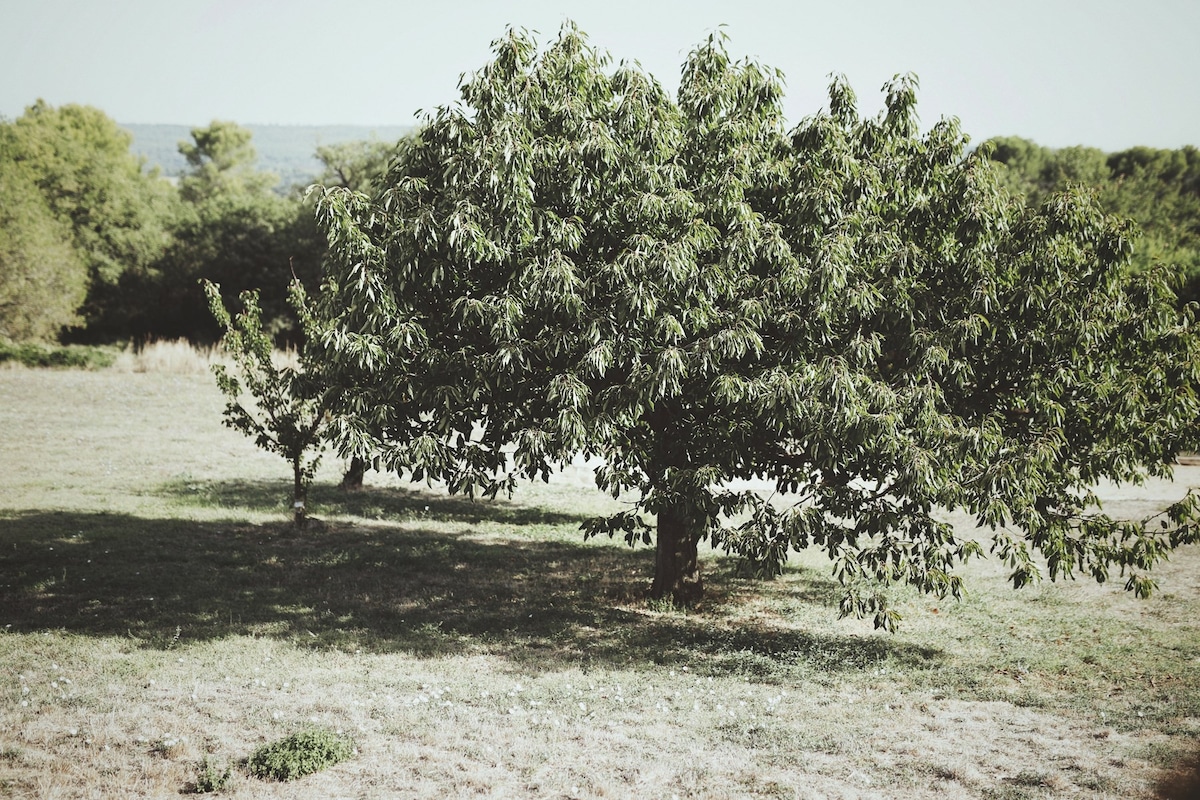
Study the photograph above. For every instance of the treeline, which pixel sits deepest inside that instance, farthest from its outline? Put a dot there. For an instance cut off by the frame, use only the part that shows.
(95, 249)
(1159, 190)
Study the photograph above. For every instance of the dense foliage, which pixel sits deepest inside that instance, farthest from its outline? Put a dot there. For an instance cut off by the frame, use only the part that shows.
(230, 228)
(1157, 189)
(95, 248)
(570, 262)
(43, 279)
(77, 211)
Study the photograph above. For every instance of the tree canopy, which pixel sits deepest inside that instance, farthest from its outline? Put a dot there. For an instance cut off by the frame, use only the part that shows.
(570, 262)
(92, 196)
(357, 165)
(43, 280)
(95, 247)
(222, 161)
(1157, 189)
(229, 228)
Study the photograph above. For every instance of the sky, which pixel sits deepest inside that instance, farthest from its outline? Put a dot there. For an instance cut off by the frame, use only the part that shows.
(1099, 73)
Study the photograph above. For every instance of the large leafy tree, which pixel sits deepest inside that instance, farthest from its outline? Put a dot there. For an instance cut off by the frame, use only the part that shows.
(116, 215)
(569, 261)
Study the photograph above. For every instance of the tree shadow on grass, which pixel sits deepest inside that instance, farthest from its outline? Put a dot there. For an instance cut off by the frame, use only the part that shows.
(538, 602)
(368, 503)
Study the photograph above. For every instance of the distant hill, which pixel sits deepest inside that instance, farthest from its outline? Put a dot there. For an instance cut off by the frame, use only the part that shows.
(286, 150)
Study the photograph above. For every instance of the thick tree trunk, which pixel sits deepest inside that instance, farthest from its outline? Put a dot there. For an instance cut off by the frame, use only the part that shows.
(676, 561)
(352, 481)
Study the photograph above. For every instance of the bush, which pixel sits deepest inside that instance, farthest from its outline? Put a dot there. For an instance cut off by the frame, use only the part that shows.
(68, 356)
(209, 779)
(300, 754)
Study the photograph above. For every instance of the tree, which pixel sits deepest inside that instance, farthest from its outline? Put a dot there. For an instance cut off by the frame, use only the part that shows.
(80, 163)
(569, 261)
(282, 414)
(1160, 190)
(233, 230)
(222, 160)
(43, 280)
(356, 165)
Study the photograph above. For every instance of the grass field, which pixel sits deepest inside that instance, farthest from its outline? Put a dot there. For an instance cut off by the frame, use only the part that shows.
(156, 611)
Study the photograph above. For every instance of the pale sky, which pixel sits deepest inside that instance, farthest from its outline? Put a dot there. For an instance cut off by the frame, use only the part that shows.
(1061, 72)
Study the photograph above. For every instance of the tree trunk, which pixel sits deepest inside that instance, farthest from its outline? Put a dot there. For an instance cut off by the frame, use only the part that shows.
(352, 481)
(299, 496)
(676, 560)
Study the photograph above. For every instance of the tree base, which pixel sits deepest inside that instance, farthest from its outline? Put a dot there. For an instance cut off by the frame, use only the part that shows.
(352, 481)
(686, 594)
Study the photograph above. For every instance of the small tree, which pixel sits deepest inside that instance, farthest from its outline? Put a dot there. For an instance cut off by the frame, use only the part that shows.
(287, 415)
(571, 262)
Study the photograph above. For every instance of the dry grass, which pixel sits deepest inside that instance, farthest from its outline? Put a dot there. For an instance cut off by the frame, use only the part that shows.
(177, 357)
(155, 612)
(181, 357)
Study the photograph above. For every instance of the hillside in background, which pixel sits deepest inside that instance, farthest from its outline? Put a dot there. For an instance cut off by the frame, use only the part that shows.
(286, 150)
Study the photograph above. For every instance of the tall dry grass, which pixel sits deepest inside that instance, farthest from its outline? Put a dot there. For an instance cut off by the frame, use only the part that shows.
(181, 357)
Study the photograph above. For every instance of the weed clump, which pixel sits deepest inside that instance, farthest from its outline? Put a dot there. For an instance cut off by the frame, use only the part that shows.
(300, 754)
(209, 779)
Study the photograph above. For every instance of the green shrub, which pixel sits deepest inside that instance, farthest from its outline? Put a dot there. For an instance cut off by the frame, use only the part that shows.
(68, 356)
(300, 754)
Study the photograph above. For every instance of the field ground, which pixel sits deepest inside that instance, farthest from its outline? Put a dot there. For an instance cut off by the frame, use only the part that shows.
(154, 612)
